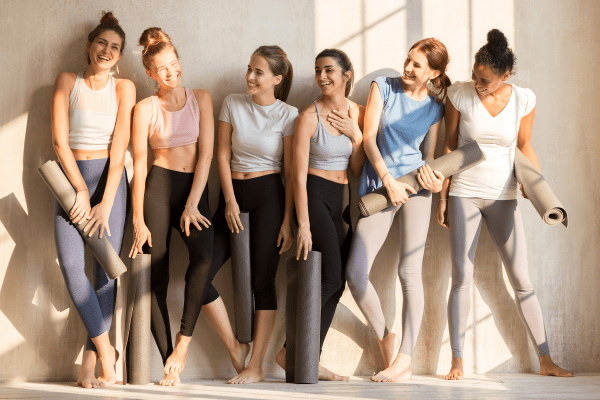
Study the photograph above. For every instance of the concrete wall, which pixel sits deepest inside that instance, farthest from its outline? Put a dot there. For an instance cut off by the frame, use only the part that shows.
(41, 334)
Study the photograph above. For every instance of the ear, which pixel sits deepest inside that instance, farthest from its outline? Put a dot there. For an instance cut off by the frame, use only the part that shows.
(87, 46)
(278, 79)
(434, 74)
(149, 73)
(505, 76)
(348, 75)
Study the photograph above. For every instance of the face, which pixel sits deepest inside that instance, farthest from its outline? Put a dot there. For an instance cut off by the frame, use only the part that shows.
(166, 70)
(485, 80)
(329, 75)
(105, 50)
(416, 69)
(259, 78)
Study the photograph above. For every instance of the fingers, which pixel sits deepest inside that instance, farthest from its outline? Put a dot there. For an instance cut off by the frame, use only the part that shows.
(439, 175)
(107, 229)
(133, 252)
(229, 224)
(197, 225)
(307, 248)
(298, 249)
(279, 240)
(287, 243)
(96, 224)
(186, 226)
(238, 222)
(204, 221)
(149, 240)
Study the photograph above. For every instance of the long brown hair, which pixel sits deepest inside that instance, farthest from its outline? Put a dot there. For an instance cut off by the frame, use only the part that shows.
(438, 59)
(344, 63)
(280, 65)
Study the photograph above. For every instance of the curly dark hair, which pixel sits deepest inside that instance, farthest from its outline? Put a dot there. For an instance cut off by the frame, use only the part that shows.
(496, 54)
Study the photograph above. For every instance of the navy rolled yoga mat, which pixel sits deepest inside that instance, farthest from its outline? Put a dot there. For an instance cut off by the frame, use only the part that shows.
(62, 189)
(452, 163)
(303, 319)
(137, 338)
(243, 300)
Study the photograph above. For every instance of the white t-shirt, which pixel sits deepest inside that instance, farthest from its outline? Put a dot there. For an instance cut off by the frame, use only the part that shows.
(494, 178)
(258, 132)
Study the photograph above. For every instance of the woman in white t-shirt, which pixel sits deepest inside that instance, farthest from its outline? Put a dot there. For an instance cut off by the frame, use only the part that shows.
(499, 116)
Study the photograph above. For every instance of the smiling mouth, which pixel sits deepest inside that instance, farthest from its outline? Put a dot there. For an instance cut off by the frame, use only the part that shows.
(251, 85)
(325, 84)
(104, 58)
(173, 78)
(408, 76)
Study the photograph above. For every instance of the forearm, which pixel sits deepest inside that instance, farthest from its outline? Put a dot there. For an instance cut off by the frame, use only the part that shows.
(289, 197)
(223, 164)
(138, 192)
(69, 166)
(200, 179)
(115, 172)
(357, 159)
(376, 159)
(301, 200)
(531, 155)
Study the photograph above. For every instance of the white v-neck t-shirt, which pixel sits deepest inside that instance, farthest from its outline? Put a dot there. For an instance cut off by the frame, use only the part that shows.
(494, 178)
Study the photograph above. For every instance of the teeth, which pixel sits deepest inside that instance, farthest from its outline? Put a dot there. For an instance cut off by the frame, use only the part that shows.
(326, 84)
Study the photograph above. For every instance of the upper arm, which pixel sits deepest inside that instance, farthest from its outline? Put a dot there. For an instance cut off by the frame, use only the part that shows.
(142, 115)
(372, 113)
(303, 132)
(525, 128)
(125, 101)
(224, 131)
(207, 122)
(60, 107)
(430, 141)
(452, 119)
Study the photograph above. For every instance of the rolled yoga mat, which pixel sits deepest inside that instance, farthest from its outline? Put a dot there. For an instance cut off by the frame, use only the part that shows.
(538, 191)
(303, 319)
(137, 338)
(452, 163)
(243, 300)
(62, 189)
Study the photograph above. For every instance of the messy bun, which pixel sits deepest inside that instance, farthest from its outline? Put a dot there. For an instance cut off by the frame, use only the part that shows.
(154, 40)
(108, 22)
(496, 54)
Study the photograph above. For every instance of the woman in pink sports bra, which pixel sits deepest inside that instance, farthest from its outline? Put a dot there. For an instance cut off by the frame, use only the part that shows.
(178, 123)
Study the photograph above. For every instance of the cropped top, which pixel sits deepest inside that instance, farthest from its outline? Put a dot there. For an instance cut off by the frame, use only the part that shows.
(258, 132)
(92, 115)
(328, 152)
(173, 129)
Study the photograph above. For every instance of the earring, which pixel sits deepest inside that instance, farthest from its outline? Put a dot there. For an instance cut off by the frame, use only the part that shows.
(117, 67)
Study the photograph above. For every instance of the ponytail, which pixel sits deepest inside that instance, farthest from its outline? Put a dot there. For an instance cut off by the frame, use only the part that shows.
(279, 65)
(438, 59)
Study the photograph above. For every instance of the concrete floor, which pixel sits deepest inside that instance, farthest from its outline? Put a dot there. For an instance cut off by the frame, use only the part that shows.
(501, 386)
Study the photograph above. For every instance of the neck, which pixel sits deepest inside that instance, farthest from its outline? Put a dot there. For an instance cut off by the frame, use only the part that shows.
(171, 94)
(96, 79)
(335, 101)
(416, 89)
(264, 99)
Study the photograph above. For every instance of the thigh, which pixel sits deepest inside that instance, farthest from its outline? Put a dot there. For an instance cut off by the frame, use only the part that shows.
(465, 219)
(413, 224)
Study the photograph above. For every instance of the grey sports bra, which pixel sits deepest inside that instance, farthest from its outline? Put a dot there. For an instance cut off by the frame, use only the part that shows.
(329, 152)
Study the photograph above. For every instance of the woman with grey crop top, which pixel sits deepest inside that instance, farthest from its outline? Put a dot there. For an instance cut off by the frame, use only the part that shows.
(402, 115)
(327, 139)
(485, 109)
(90, 132)
(254, 143)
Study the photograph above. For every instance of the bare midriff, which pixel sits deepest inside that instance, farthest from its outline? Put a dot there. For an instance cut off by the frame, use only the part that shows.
(180, 158)
(81, 155)
(334, 176)
(250, 175)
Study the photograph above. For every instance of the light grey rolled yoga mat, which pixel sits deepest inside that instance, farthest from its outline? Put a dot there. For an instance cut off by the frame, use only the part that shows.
(452, 163)
(138, 338)
(243, 300)
(303, 319)
(538, 191)
(62, 189)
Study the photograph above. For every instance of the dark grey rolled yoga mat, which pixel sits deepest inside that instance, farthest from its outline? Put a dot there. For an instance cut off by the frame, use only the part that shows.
(243, 300)
(452, 163)
(303, 319)
(138, 338)
(62, 189)
(538, 191)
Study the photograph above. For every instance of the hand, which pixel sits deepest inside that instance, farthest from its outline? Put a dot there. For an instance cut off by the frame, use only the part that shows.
(81, 209)
(193, 216)
(397, 191)
(442, 214)
(98, 218)
(141, 234)
(523, 191)
(345, 124)
(303, 242)
(232, 216)
(285, 237)
(430, 180)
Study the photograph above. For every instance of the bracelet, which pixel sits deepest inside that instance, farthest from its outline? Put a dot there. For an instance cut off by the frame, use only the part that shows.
(81, 190)
(191, 206)
(384, 175)
(443, 199)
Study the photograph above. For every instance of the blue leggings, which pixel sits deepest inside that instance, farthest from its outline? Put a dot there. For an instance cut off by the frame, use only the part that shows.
(96, 304)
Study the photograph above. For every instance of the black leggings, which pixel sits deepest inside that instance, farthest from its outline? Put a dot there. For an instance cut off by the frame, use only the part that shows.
(264, 199)
(166, 194)
(325, 209)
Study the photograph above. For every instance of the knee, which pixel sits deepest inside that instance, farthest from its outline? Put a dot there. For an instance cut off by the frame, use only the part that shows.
(461, 279)
(357, 283)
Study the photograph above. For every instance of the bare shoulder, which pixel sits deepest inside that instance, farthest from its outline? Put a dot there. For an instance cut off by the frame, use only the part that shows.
(65, 81)
(307, 121)
(144, 107)
(202, 96)
(124, 85)
(356, 110)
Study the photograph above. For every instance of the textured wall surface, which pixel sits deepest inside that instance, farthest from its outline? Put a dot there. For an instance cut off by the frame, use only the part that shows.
(555, 42)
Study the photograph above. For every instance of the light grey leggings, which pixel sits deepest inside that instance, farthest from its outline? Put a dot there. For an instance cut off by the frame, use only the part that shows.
(370, 234)
(503, 218)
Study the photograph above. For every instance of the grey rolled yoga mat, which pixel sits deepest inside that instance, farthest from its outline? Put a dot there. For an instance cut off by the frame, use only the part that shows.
(452, 163)
(243, 300)
(538, 191)
(137, 337)
(303, 319)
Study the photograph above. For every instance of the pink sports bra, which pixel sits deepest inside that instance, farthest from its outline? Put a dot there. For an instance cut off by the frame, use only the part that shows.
(177, 128)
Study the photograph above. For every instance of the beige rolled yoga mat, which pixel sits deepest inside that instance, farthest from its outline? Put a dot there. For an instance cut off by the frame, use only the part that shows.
(303, 319)
(243, 299)
(452, 163)
(138, 338)
(538, 191)
(62, 189)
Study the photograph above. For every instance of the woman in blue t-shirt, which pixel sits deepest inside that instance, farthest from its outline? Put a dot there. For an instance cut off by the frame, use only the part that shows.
(401, 114)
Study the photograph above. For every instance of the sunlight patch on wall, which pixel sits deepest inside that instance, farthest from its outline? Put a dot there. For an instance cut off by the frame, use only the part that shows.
(12, 138)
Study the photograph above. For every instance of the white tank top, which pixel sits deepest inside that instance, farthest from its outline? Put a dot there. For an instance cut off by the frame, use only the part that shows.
(92, 115)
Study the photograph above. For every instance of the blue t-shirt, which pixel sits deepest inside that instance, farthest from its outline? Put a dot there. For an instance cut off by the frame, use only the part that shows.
(403, 126)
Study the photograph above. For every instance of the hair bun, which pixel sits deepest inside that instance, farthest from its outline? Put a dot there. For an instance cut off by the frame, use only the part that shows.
(497, 40)
(108, 18)
(152, 37)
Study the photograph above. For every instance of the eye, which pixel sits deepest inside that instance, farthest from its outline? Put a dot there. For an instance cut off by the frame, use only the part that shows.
(416, 65)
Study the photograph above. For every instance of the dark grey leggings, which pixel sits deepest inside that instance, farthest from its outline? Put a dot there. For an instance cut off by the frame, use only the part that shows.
(369, 236)
(504, 223)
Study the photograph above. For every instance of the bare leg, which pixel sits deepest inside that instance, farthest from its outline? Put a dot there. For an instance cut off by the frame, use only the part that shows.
(107, 355)
(87, 377)
(216, 313)
(398, 371)
(389, 346)
(456, 370)
(547, 367)
(280, 358)
(176, 361)
(263, 330)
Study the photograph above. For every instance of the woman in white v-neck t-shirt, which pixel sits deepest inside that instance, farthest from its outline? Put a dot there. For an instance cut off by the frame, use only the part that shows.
(499, 116)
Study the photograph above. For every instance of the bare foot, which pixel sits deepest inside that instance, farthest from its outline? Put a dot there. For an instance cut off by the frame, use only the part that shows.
(249, 375)
(327, 375)
(280, 358)
(389, 346)
(170, 379)
(176, 361)
(107, 367)
(547, 367)
(398, 371)
(87, 377)
(456, 370)
(238, 357)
